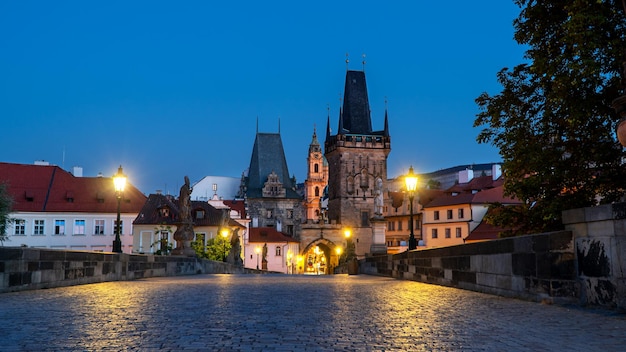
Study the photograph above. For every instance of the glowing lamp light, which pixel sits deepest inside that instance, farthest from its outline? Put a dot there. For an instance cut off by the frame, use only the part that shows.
(119, 181)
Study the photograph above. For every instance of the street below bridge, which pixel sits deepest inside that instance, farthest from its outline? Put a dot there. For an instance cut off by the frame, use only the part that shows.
(294, 313)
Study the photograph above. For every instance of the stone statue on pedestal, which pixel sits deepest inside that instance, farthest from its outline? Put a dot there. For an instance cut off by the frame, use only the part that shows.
(184, 232)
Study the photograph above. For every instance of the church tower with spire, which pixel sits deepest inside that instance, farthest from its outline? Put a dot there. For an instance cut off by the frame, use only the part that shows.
(357, 167)
(316, 181)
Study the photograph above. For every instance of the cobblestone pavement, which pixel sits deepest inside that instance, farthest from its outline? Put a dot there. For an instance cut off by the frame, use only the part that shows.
(294, 313)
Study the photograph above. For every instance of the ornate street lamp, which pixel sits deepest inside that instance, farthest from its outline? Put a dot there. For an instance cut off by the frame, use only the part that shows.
(411, 184)
(225, 235)
(119, 181)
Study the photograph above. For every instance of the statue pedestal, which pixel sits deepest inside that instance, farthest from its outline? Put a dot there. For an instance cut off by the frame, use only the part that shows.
(379, 244)
(183, 236)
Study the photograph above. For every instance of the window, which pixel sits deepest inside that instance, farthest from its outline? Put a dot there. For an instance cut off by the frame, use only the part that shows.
(59, 227)
(289, 229)
(417, 224)
(199, 214)
(400, 225)
(79, 227)
(365, 219)
(38, 229)
(121, 228)
(447, 233)
(316, 168)
(461, 214)
(98, 227)
(278, 251)
(20, 227)
(458, 232)
(165, 212)
(289, 213)
(269, 213)
(436, 214)
(449, 214)
(317, 191)
(434, 233)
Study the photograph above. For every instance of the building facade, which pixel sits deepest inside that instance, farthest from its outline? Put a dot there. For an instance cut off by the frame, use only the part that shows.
(156, 223)
(53, 208)
(454, 217)
(269, 192)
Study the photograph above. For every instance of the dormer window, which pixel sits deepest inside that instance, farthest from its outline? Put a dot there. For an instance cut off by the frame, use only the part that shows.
(164, 212)
(29, 196)
(200, 214)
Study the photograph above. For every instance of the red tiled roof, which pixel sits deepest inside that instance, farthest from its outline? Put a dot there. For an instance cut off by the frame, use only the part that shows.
(494, 195)
(477, 183)
(151, 212)
(484, 231)
(269, 234)
(238, 206)
(484, 196)
(47, 188)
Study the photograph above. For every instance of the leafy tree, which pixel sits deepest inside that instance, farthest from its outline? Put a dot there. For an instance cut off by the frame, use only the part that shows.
(216, 248)
(6, 203)
(552, 121)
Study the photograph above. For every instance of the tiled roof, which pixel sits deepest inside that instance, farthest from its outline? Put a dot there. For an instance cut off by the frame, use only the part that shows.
(268, 156)
(269, 234)
(47, 188)
(477, 183)
(484, 231)
(485, 196)
(494, 195)
(163, 209)
(238, 206)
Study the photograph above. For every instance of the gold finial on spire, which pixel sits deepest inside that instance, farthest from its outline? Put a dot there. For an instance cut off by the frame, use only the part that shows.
(363, 62)
(347, 61)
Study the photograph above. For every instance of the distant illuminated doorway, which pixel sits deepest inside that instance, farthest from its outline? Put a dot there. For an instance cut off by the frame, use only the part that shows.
(320, 258)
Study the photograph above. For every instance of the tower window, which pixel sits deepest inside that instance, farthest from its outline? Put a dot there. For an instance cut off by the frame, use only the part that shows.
(316, 168)
(317, 191)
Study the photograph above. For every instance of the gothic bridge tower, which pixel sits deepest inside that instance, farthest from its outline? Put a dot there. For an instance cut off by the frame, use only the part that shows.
(357, 168)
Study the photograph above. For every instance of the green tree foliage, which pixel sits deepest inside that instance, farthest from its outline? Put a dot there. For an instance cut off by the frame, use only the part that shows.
(216, 248)
(6, 203)
(553, 122)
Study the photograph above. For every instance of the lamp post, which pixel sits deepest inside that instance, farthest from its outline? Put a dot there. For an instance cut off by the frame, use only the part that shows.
(350, 250)
(257, 250)
(411, 184)
(119, 181)
(289, 263)
(225, 235)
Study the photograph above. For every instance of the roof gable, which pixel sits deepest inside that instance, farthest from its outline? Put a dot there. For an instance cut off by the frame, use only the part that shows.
(268, 234)
(45, 188)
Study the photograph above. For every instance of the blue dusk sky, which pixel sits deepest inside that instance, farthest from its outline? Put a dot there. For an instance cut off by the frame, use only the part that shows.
(175, 88)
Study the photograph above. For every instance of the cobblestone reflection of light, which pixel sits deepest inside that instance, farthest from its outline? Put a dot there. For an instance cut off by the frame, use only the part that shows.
(291, 312)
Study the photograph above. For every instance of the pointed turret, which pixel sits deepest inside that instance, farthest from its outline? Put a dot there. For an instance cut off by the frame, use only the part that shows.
(356, 108)
(386, 131)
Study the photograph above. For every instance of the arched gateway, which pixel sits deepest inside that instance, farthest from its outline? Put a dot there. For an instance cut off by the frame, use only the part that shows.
(319, 257)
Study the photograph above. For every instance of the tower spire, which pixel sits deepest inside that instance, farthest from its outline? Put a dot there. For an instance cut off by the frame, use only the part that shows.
(363, 62)
(347, 61)
(328, 126)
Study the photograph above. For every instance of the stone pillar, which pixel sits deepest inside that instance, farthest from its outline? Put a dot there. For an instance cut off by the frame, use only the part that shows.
(379, 244)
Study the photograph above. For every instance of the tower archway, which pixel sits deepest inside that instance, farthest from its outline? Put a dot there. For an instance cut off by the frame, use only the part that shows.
(319, 257)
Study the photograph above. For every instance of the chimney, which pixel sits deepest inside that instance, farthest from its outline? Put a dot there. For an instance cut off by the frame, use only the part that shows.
(77, 171)
(466, 175)
(42, 163)
(496, 171)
